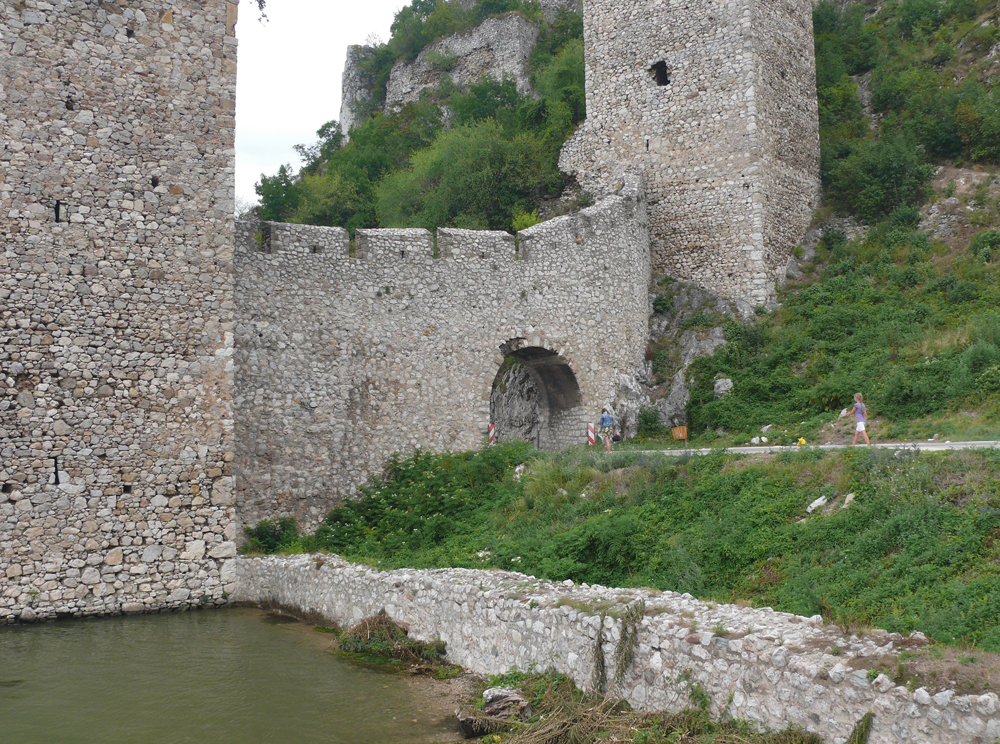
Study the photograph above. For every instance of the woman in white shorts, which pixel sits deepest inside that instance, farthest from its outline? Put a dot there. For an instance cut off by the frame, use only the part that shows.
(860, 419)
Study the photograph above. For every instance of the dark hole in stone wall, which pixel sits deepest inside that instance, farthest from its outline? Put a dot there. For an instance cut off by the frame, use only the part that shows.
(70, 105)
(55, 468)
(660, 73)
(58, 209)
(402, 254)
(7, 488)
(155, 181)
(129, 33)
(126, 489)
(532, 390)
(314, 249)
(265, 238)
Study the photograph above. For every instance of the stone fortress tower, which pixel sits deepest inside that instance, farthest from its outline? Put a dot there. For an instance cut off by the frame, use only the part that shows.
(116, 304)
(716, 100)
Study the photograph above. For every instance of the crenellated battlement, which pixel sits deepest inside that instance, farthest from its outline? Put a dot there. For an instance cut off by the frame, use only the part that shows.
(545, 245)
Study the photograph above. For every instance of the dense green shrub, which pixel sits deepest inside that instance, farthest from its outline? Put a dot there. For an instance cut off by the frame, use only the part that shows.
(471, 177)
(985, 245)
(881, 175)
(271, 535)
(649, 423)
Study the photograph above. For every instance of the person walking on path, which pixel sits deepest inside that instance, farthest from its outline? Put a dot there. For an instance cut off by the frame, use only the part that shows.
(607, 425)
(860, 419)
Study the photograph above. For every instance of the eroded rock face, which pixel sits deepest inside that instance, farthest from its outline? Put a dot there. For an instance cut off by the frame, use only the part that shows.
(631, 396)
(355, 88)
(690, 343)
(514, 404)
(498, 48)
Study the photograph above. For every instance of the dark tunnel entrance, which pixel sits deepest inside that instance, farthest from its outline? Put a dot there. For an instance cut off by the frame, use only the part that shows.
(535, 397)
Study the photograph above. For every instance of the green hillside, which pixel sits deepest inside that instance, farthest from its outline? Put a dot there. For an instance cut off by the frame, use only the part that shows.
(489, 168)
(909, 320)
(902, 542)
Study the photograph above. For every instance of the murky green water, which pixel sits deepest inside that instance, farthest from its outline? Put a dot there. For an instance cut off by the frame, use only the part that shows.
(213, 676)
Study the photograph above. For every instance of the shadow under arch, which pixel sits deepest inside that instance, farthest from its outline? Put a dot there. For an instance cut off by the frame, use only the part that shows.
(535, 397)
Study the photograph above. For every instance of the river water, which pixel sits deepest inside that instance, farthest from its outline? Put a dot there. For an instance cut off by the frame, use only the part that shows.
(200, 677)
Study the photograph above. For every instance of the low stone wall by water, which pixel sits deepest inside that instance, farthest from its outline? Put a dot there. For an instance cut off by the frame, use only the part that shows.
(768, 667)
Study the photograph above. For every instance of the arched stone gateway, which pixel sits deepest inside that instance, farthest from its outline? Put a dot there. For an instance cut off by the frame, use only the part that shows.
(536, 397)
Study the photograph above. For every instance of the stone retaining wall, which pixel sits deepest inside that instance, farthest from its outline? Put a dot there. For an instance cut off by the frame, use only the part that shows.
(771, 668)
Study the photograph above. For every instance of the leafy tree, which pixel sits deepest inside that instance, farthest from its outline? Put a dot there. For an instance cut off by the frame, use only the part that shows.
(487, 99)
(279, 195)
(881, 175)
(562, 79)
(472, 176)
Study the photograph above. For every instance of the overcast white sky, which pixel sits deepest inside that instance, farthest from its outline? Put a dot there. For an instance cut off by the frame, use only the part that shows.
(288, 84)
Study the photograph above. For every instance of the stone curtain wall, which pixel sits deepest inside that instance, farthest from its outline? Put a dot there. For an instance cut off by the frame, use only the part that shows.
(770, 668)
(342, 361)
(116, 305)
(717, 100)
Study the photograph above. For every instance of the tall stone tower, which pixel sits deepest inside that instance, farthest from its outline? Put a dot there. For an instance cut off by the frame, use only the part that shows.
(717, 100)
(116, 306)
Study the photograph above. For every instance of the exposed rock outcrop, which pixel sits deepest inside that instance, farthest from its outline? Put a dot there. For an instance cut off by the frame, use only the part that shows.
(690, 343)
(499, 48)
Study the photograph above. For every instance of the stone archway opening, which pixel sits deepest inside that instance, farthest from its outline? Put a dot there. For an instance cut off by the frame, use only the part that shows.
(535, 397)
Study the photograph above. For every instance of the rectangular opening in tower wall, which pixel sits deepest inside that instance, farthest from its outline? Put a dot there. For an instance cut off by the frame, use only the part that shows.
(660, 73)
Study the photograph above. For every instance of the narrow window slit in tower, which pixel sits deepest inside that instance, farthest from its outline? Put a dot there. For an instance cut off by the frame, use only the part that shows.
(315, 249)
(660, 73)
(402, 254)
(58, 209)
(647, 144)
(55, 468)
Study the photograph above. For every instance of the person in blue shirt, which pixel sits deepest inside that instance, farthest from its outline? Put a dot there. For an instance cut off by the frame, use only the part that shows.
(607, 426)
